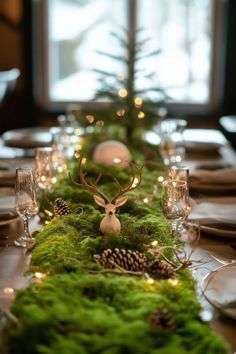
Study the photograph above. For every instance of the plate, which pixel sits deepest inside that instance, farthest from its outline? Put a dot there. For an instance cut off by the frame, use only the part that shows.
(8, 216)
(216, 215)
(27, 138)
(219, 288)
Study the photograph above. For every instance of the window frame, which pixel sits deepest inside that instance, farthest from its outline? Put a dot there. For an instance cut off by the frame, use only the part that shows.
(40, 64)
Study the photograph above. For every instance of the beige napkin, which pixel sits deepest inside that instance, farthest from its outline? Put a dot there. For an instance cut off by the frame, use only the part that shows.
(218, 215)
(222, 176)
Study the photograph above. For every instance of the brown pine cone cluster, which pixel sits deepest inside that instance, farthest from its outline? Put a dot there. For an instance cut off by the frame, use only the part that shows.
(126, 259)
(161, 269)
(161, 319)
(134, 261)
(60, 207)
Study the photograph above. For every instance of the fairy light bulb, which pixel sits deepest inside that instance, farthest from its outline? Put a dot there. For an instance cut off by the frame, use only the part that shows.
(8, 291)
(149, 279)
(138, 102)
(154, 243)
(141, 115)
(135, 182)
(123, 92)
(173, 282)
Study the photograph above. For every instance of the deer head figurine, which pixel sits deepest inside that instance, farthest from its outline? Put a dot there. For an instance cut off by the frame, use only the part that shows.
(110, 224)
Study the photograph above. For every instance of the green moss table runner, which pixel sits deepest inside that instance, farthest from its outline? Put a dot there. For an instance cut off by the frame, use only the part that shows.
(82, 307)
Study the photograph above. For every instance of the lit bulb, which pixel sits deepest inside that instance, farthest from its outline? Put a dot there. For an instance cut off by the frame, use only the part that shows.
(135, 182)
(141, 115)
(173, 282)
(138, 102)
(149, 279)
(123, 92)
(160, 179)
(145, 200)
(154, 243)
(8, 290)
(39, 276)
(117, 160)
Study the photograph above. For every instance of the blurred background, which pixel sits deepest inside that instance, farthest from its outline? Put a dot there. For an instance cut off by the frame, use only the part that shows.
(62, 48)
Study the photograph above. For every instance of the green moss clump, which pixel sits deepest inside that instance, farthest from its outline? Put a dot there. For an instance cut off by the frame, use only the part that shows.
(75, 313)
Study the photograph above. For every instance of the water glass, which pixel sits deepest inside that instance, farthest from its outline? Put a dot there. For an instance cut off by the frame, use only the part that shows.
(174, 201)
(172, 147)
(25, 202)
(44, 173)
(181, 173)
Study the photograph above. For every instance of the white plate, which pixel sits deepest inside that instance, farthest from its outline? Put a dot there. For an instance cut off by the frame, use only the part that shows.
(27, 138)
(210, 210)
(219, 289)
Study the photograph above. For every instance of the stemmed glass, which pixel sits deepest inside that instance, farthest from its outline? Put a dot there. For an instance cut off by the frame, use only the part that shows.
(174, 201)
(25, 202)
(181, 173)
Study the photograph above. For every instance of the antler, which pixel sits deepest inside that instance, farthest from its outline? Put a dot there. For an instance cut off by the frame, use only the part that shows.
(132, 185)
(90, 187)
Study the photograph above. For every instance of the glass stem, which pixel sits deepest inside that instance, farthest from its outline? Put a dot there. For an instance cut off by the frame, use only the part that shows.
(26, 227)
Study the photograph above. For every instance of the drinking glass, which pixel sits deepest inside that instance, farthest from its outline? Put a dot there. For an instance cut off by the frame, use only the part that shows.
(181, 173)
(174, 201)
(25, 202)
(44, 173)
(172, 147)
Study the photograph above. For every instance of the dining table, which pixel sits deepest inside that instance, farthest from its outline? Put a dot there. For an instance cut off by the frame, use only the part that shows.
(204, 147)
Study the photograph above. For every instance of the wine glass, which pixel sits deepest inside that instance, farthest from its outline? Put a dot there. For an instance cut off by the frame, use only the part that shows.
(181, 173)
(25, 202)
(174, 201)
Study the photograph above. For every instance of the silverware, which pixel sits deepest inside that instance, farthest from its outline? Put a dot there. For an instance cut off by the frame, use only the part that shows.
(221, 260)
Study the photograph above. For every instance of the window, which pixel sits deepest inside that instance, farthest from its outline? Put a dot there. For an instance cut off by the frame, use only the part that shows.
(75, 32)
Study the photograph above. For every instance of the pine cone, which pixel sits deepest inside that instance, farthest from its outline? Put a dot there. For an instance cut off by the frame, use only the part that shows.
(126, 259)
(161, 319)
(161, 269)
(60, 207)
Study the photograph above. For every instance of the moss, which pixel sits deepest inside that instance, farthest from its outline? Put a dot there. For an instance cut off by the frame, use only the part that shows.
(104, 318)
(73, 311)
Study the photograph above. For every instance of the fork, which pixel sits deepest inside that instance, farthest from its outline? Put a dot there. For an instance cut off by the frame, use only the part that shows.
(221, 260)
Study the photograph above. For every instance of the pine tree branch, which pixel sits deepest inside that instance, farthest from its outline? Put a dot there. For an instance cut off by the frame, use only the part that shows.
(113, 56)
(149, 54)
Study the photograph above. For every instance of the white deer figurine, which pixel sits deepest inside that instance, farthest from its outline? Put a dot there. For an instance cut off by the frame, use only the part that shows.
(110, 224)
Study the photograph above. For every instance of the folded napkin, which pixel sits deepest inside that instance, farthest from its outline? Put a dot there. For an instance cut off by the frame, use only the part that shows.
(222, 176)
(216, 215)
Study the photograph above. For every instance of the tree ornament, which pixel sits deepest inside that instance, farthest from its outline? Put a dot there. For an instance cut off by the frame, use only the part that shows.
(60, 207)
(121, 258)
(110, 224)
(161, 319)
(161, 269)
(112, 153)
